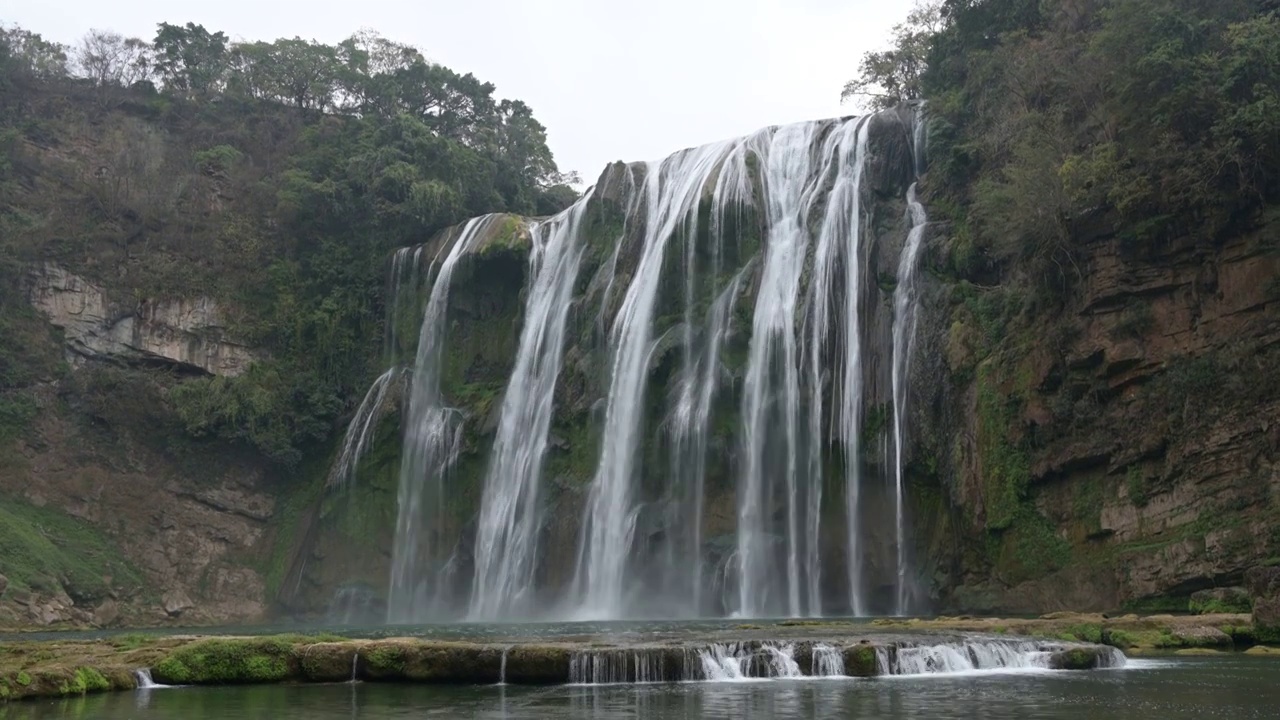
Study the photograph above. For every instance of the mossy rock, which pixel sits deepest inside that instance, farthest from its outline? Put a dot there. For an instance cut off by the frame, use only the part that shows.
(55, 681)
(328, 662)
(230, 660)
(1080, 658)
(860, 660)
(538, 664)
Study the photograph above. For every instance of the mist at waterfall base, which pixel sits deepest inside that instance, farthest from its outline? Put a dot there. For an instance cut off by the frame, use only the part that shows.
(1235, 687)
(770, 251)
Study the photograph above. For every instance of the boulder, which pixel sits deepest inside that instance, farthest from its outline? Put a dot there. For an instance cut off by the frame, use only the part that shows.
(176, 602)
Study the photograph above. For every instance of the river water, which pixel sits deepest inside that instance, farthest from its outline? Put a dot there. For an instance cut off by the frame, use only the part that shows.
(1235, 687)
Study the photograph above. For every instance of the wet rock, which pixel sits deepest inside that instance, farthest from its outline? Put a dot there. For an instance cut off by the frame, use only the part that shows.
(1081, 658)
(4, 585)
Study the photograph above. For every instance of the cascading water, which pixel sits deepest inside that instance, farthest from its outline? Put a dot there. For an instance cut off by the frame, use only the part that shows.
(905, 304)
(507, 533)
(671, 189)
(839, 237)
(738, 275)
(432, 433)
(356, 441)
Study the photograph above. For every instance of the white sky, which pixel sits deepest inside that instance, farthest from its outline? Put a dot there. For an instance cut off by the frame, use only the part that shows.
(611, 80)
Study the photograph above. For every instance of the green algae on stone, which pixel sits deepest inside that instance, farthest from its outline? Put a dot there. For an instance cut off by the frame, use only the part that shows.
(229, 660)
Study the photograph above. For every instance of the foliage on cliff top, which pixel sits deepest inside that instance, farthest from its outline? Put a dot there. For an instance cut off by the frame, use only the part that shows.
(274, 176)
(1163, 115)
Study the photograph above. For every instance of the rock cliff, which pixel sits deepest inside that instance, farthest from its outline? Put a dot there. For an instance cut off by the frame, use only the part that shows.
(184, 333)
(1143, 411)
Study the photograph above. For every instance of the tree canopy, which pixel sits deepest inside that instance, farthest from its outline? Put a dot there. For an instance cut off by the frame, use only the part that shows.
(1162, 113)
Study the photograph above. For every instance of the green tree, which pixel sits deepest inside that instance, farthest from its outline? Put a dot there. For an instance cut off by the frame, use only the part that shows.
(29, 54)
(190, 59)
(888, 77)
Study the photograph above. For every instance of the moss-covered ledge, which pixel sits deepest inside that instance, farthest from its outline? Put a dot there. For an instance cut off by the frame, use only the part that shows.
(1133, 634)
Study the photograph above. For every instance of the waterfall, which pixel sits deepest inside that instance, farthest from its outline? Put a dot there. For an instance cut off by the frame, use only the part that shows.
(507, 531)
(728, 342)
(671, 189)
(839, 237)
(356, 440)
(432, 436)
(963, 657)
(827, 661)
(905, 302)
(142, 680)
(905, 309)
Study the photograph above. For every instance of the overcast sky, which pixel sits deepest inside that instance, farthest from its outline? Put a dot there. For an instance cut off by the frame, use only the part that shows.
(611, 80)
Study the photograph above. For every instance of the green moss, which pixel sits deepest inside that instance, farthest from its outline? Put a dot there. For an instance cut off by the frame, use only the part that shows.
(229, 660)
(1089, 633)
(91, 680)
(1119, 639)
(1005, 467)
(860, 661)
(1136, 485)
(1218, 606)
(1029, 548)
(23, 679)
(1076, 659)
(385, 660)
(42, 549)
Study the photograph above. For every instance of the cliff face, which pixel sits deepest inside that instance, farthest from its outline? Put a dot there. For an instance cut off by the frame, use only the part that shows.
(110, 515)
(1143, 411)
(184, 333)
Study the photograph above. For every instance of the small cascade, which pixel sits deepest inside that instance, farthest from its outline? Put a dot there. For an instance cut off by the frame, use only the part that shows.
(142, 678)
(782, 661)
(723, 662)
(502, 666)
(356, 441)
(960, 657)
(611, 667)
(827, 660)
(355, 665)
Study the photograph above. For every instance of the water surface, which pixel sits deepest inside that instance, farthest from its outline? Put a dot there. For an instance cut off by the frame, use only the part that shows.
(1235, 687)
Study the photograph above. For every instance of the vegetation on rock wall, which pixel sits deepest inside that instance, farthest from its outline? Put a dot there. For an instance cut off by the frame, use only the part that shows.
(1105, 169)
(275, 177)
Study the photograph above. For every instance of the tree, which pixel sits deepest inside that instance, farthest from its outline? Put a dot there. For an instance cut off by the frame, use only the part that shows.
(297, 72)
(190, 59)
(369, 64)
(108, 58)
(30, 54)
(892, 76)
